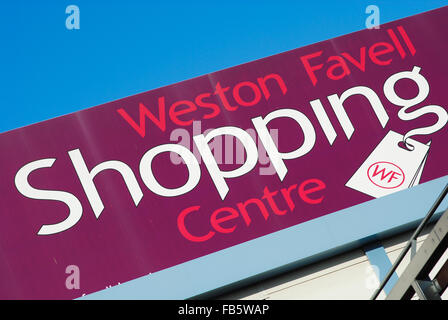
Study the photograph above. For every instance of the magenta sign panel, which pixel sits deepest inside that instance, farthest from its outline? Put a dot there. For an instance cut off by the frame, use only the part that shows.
(147, 182)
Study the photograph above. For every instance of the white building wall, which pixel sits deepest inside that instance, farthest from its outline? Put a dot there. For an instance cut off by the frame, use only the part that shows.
(346, 276)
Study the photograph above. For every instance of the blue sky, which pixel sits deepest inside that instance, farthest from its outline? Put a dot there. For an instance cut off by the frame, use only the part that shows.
(126, 47)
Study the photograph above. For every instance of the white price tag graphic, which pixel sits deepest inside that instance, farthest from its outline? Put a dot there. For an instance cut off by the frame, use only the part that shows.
(390, 168)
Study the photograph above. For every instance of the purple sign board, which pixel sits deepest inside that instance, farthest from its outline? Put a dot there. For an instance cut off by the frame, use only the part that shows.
(150, 181)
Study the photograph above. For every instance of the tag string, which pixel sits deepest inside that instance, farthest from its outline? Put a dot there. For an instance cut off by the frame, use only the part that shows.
(442, 119)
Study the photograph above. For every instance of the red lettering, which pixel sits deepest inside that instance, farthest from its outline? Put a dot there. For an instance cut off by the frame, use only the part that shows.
(304, 191)
(264, 89)
(287, 196)
(215, 221)
(220, 92)
(269, 196)
(174, 114)
(245, 93)
(143, 114)
(245, 214)
(396, 43)
(183, 230)
(309, 69)
(214, 107)
(223, 215)
(337, 67)
(382, 171)
(361, 64)
(393, 176)
(255, 90)
(340, 63)
(374, 54)
(406, 39)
